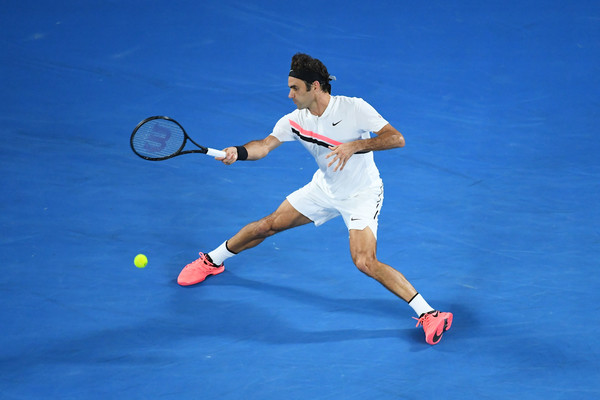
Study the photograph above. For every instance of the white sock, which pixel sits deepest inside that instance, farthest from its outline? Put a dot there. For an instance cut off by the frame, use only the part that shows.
(419, 304)
(220, 254)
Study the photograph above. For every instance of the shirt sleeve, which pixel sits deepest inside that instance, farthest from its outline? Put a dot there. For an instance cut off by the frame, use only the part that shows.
(368, 118)
(283, 129)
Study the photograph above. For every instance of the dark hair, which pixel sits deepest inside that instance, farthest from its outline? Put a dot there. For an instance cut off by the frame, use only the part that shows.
(304, 62)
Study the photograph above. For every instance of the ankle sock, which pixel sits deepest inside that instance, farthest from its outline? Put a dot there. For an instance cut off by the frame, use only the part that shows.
(220, 254)
(419, 304)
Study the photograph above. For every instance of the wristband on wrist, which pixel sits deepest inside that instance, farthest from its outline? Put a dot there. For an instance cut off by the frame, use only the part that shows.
(242, 153)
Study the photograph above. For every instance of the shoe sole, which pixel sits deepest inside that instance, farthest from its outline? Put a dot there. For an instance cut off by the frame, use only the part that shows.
(191, 283)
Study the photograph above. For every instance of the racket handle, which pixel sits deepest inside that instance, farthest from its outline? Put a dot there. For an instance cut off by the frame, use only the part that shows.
(216, 153)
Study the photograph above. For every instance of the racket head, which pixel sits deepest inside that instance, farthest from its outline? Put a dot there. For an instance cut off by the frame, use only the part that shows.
(158, 138)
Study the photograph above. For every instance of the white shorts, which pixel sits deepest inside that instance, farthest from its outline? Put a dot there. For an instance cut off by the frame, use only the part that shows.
(358, 211)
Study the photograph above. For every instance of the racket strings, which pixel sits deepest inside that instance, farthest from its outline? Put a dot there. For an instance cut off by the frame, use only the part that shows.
(158, 138)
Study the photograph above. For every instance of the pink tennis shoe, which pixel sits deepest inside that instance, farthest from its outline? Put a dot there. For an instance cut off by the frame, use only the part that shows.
(197, 271)
(435, 323)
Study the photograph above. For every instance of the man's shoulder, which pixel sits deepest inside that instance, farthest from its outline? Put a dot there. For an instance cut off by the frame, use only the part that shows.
(347, 101)
(293, 115)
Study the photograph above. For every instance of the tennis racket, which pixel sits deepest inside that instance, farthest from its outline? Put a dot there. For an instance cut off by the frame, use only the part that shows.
(160, 138)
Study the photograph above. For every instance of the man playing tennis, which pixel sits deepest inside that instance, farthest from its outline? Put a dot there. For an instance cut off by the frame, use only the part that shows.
(336, 131)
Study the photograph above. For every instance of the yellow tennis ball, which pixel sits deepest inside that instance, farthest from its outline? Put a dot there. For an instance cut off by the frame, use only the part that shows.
(140, 261)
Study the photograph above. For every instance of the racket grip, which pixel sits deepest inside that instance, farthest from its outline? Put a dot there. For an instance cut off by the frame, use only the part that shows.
(216, 153)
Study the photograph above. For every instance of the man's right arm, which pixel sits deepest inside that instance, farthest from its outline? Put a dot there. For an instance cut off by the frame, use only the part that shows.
(256, 149)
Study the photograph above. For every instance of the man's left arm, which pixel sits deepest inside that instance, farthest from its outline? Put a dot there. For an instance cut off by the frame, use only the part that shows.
(387, 137)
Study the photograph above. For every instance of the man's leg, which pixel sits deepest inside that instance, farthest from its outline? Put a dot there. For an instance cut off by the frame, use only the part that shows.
(285, 217)
(363, 248)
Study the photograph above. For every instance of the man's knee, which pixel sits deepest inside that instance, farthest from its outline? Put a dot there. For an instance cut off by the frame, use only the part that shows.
(366, 263)
(263, 228)
(269, 226)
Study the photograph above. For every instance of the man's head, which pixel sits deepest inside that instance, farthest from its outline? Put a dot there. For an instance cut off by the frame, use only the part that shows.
(310, 70)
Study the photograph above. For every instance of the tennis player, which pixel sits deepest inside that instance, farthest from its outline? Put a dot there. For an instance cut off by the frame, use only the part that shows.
(336, 130)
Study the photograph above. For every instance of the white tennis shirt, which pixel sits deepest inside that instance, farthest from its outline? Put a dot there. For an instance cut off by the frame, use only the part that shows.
(345, 119)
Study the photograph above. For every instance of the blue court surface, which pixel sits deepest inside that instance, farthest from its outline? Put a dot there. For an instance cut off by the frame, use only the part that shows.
(492, 209)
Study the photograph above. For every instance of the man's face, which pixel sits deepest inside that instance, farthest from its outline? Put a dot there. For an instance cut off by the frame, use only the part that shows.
(301, 97)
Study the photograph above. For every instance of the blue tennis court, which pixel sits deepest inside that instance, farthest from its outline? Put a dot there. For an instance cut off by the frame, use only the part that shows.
(492, 210)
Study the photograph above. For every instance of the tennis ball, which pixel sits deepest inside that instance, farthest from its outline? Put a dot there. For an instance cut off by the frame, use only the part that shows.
(140, 261)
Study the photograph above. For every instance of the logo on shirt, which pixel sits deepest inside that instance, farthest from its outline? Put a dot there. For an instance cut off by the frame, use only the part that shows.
(335, 123)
